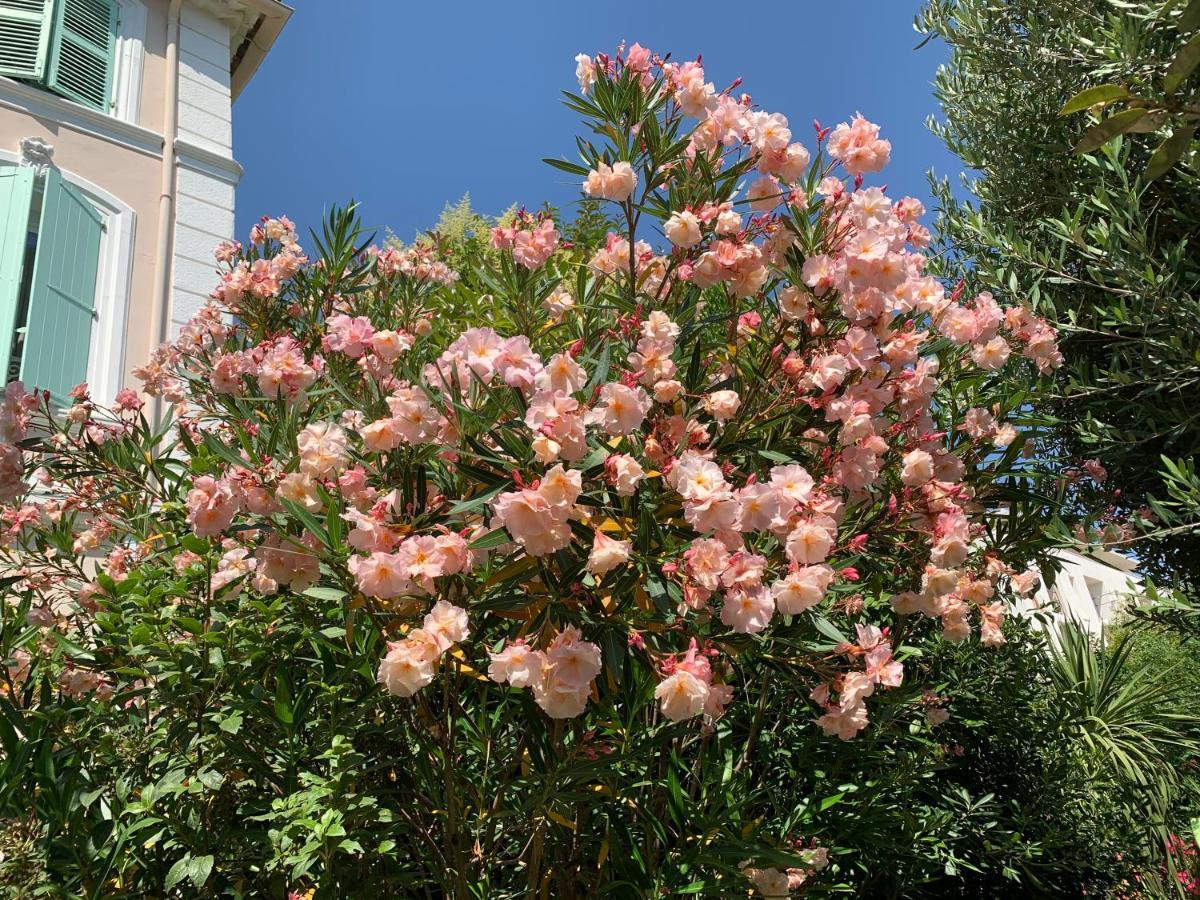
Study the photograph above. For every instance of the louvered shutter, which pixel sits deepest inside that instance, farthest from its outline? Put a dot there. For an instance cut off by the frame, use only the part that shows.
(25, 37)
(82, 46)
(62, 297)
(16, 194)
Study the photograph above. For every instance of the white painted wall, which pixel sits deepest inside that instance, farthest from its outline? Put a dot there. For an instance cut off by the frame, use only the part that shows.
(205, 107)
(207, 173)
(1093, 588)
(203, 218)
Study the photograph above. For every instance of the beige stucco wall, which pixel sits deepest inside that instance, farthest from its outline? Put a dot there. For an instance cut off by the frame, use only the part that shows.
(154, 66)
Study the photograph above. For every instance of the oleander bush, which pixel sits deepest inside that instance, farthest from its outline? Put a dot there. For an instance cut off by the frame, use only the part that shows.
(642, 563)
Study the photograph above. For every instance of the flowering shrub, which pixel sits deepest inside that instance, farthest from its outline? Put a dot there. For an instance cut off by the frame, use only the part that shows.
(501, 602)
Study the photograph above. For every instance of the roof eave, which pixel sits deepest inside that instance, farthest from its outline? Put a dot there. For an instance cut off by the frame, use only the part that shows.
(272, 16)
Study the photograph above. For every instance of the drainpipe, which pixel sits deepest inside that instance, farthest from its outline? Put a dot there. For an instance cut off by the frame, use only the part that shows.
(160, 313)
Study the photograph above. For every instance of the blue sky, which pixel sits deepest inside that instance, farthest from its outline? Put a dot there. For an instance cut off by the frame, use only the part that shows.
(405, 106)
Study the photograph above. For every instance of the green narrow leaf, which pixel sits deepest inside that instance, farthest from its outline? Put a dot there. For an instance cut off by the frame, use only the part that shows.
(828, 629)
(1169, 152)
(1089, 97)
(321, 592)
(1100, 134)
(1181, 66)
(491, 539)
(283, 701)
(1190, 19)
(565, 166)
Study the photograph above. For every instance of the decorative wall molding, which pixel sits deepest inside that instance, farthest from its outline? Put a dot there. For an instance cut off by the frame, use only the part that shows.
(204, 160)
(43, 105)
(36, 154)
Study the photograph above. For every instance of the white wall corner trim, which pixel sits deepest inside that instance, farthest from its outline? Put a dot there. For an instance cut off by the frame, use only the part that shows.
(204, 160)
(44, 105)
(106, 355)
(130, 50)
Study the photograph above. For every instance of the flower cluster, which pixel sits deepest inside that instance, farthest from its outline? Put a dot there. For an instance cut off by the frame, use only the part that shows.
(409, 664)
(678, 460)
(531, 241)
(560, 676)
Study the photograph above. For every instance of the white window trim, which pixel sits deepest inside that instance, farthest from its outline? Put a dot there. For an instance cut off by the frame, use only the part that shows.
(106, 354)
(127, 60)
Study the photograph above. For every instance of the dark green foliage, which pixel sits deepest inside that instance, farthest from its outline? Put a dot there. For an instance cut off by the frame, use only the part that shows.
(1093, 240)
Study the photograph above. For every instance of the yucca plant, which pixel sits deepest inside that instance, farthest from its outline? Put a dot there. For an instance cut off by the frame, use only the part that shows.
(1128, 724)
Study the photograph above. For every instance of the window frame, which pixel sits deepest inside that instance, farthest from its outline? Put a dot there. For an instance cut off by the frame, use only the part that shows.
(128, 56)
(110, 329)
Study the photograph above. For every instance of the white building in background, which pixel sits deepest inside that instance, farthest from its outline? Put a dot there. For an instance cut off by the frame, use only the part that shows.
(117, 175)
(1093, 587)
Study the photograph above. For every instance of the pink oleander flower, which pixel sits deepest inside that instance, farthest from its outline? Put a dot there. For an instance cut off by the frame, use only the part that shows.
(558, 303)
(351, 336)
(624, 473)
(323, 451)
(621, 409)
(809, 543)
(722, 405)
(918, 468)
(748, 611)
(611, 183)
(858, 148)
(683, 229)
(518, 664)
(585, 72)
(571, 664)
(382, 575)
(538, 519)
(211, 504)
(681, 695)
(409, 664)
(233, 565)
(802, 589)
(446, 624)
(607, 554)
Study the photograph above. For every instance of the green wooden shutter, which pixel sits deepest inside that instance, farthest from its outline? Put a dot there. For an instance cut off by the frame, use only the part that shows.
(16, 195)
(62, 296)
(82, 49)
(25, 37)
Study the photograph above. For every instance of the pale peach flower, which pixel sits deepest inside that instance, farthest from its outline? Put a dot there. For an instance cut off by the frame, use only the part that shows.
(409, 664)
(683, 229)
(809, 543)
(722, 405)
(681, 695)
(748, 611)
(611, 183)
(322, 447)
(607, 554)
(518, 664)
(667, 391)
(446, 624)
(802, 589)
(625, 472)
(918, 468)
(211, 504)
(621, 409)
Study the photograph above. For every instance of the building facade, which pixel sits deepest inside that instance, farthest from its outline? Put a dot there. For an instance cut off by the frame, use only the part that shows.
(1093, 587)
(117, 175)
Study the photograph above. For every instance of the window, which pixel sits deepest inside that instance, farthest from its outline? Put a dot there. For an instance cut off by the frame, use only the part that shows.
(49, 260)
(67, 46)
(1095, 588)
